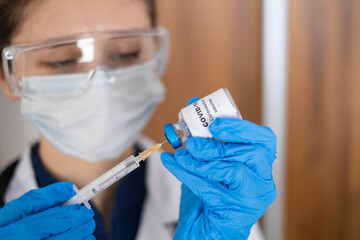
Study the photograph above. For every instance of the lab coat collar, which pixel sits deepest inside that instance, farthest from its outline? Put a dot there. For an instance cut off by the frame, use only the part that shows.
(23, 179)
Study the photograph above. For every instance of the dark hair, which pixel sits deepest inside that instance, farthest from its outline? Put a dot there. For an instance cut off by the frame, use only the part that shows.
(13, 12)
(151, 4)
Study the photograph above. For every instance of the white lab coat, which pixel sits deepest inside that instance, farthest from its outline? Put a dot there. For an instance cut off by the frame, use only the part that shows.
(161, 206)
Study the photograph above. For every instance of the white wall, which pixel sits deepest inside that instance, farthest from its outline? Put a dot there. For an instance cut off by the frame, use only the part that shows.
(15, 133)
(275, 39)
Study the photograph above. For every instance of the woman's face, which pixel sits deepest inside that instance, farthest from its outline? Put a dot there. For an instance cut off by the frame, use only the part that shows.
(53, 19)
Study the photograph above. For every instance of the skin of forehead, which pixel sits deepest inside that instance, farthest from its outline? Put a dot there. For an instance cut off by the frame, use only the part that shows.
(51, 19)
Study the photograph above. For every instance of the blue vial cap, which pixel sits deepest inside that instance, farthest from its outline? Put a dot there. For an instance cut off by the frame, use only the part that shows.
(171, 136)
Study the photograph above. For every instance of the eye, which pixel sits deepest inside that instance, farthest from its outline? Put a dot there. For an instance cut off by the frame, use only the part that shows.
(126, 57)
(61, 64)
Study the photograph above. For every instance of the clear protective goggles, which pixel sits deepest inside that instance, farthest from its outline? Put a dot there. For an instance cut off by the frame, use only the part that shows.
(83, 54)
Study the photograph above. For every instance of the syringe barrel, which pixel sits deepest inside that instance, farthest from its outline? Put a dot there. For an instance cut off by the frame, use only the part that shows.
(106, 180)
(77, 199)
(110, 177)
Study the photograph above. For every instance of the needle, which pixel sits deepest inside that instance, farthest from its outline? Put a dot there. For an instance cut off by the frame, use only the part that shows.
(147, 153)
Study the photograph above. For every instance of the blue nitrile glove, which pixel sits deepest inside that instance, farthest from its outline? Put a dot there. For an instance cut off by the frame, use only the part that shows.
(227, 186)
(38, 215)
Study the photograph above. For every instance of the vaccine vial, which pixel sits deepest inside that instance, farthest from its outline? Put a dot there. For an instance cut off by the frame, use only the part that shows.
(195, 119)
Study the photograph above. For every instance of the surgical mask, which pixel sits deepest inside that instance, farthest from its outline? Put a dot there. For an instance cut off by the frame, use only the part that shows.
(106, 120)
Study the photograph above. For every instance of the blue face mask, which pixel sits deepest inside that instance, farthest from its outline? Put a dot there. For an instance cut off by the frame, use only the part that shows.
(104, 121)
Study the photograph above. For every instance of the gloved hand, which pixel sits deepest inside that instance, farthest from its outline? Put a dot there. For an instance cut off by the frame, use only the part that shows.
(38, 215)
(227, 186)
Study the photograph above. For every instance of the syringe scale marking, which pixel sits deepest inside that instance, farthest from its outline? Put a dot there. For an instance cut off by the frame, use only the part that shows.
(118, 175)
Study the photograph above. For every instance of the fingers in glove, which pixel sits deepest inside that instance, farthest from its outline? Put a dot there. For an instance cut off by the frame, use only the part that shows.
(35, 201)
(234, 176)
(253, 156)
(51, 222)
(84, 231)
(91, 237)
(242, 131)
(201, 187)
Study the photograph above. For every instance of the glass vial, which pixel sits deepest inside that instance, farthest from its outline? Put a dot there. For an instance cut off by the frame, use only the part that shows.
(195, 119)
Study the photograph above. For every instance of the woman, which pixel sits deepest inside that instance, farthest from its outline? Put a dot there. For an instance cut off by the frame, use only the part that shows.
(87, 74)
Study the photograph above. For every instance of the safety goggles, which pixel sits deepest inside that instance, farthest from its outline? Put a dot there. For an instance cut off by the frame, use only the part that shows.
(84, 55)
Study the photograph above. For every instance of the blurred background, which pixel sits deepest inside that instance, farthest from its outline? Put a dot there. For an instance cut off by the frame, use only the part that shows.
(291, 64)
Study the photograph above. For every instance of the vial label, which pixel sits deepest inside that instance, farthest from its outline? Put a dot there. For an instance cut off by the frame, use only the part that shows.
(199, 115)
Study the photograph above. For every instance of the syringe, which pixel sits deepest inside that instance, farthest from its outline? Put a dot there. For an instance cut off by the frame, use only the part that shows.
(110, 177)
